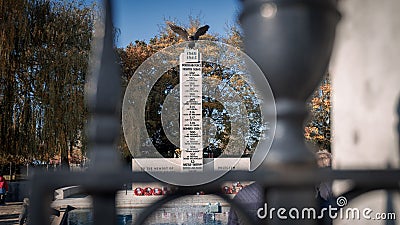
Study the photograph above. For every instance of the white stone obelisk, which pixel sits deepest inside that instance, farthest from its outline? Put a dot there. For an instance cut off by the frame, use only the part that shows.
(191, 110)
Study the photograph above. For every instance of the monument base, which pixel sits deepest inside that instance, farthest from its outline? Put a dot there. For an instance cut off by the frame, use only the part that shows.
(210, 164)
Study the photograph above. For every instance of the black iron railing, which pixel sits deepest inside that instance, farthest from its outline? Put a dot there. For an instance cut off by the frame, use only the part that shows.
(299, 33)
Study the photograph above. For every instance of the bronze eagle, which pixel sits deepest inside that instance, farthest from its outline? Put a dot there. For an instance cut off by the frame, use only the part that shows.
(185, 35)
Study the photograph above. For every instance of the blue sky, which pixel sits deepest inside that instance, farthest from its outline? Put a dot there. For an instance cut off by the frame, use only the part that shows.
(141, 19)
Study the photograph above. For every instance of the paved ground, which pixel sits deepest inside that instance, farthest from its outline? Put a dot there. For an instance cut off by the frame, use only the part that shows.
(9, 213)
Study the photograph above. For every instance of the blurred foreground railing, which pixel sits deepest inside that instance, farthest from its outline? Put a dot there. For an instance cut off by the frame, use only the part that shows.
(291, 41)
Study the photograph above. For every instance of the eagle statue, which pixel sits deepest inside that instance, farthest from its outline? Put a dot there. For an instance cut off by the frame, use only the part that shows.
(185, 35)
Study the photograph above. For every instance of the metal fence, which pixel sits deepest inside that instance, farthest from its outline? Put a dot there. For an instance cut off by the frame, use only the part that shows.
(289, 173)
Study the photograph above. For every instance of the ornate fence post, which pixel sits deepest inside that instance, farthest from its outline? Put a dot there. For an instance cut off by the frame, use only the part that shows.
(104, 100)
(291, 41)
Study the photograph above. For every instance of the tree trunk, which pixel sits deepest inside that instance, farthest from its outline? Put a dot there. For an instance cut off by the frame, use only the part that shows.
(64, 158)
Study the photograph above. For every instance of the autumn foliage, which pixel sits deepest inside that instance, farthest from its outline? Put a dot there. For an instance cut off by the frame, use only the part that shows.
(44, 49)
(318, 130)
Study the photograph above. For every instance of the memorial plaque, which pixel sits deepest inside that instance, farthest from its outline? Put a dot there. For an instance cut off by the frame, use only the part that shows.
(191, 110)
(155, 165)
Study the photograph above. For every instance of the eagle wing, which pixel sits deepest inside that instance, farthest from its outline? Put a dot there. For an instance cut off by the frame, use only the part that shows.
(202, 30)
(179, 30)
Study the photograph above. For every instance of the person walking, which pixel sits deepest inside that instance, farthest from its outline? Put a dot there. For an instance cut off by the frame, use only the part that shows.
(3, 189)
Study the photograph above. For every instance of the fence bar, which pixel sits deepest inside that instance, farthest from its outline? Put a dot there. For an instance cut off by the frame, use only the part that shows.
(294, 59)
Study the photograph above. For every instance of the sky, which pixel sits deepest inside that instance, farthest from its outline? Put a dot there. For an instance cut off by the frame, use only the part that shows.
(141, 19)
